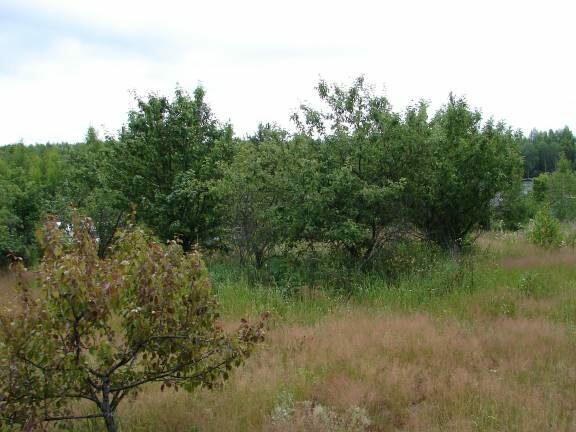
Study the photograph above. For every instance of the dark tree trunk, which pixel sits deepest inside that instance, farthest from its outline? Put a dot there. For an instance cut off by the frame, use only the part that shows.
(110, 423)
(107, 409)
(259, 258)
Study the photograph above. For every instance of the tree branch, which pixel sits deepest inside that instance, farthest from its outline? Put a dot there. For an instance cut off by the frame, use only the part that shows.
(161, 376)
(90, 416)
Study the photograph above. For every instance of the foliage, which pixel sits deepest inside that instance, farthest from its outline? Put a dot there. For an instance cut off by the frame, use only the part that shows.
(512, 208)
(557, 191)
(98, 329)
(465, 165)
(544, 230)
(14, 233)
(561, 191)
(540, 188)
(30, 178)
(252, 196)
(352, 186)
(542, 150)
(356, 178)
(87, 187)
(53, 179)
(164, 161)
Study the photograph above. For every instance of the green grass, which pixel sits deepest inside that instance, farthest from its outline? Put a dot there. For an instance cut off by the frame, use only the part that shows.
(480, 283)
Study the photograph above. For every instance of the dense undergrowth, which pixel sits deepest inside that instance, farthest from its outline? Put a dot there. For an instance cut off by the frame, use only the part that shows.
(502, 269)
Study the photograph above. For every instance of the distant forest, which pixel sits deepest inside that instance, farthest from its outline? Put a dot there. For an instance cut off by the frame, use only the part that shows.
(542, 150)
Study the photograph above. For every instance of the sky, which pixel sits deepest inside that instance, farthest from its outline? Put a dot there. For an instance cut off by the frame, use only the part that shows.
(66, 65)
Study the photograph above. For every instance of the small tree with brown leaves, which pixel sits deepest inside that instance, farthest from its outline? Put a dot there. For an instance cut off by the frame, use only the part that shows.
(98, 329)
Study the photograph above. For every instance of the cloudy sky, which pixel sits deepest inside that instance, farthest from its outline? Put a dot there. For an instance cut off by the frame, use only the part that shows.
(69, 64)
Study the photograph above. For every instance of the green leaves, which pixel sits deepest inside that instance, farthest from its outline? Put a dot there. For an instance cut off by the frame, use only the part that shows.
(560, 191)
(360, 176)
(359, 184)
(254, 193)
(164, 161)
(465, 166)
(544, 230)
(542, 150)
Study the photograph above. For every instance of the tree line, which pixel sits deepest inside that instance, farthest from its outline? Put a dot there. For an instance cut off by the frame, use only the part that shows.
(354, 177)
(542, 150)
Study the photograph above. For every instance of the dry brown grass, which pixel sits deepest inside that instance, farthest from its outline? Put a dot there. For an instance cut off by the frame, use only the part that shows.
(504, 359)
(405, 372)
(8, 282)
(9, 293)
(517, 253)
(564, 256)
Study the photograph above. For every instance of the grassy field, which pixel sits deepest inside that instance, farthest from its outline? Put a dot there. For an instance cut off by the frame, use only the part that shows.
(486, 343)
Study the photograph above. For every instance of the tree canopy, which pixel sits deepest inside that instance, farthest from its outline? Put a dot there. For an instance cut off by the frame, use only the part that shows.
(354, 177)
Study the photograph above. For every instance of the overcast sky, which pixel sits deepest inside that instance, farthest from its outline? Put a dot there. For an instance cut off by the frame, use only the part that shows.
(69, 64)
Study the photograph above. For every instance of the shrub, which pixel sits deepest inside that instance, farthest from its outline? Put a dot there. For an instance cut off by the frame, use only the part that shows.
(463, 166)
(100, 328)
(544, 230)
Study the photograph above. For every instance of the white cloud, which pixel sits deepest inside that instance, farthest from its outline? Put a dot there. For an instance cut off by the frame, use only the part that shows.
(72, 64)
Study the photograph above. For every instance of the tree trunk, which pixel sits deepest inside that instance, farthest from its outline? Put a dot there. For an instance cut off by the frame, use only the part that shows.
(259, 258)
(110, 423)
(107, 409)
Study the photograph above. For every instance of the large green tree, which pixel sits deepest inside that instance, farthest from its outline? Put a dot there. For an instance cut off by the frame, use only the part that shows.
(351, 190)
(164, 161)
(466, 165)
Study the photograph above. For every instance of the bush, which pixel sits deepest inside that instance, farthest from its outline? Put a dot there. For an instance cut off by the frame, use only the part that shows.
(98, 329)
(464, 165)
(512, 209)
(544, 230)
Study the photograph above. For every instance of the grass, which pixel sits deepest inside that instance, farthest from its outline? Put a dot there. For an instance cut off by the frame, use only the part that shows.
(8, 282)
(401, 372)
(486, 343)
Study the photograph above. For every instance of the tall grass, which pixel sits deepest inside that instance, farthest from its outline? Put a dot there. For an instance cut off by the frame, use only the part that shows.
(503, 275)
(484, 341)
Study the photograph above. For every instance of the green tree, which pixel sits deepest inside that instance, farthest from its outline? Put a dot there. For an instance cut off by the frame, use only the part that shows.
(101, 328)
(544, 229)
(253, 196)
(92, 136)
(542, 150)
(12, 238)
(560, 192)
(88, 188)
(568, 144)
(164, 161)
(30, 180)
(351, 189)
(465, 166)
(512, 207)
(540, 188)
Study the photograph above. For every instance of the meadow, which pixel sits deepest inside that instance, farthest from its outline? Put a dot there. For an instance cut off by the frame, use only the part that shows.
(481, 342)
(416, 268)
